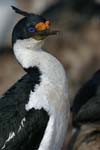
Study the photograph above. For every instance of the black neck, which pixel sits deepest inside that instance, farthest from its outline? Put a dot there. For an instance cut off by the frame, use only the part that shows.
(35, 74)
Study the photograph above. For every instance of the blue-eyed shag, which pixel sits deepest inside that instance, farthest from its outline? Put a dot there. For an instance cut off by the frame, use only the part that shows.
(34, 113)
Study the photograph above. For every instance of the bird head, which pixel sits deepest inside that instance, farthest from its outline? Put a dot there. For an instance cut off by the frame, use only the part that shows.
(31, 26)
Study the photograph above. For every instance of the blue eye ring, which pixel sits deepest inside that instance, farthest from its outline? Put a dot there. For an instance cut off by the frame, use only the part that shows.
(31, 29)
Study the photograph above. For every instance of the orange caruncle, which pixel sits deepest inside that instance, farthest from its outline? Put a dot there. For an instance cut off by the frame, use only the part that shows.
(42, 26)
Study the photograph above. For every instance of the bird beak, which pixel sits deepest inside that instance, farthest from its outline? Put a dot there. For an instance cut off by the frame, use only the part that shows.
(47, 32)
(41, 35)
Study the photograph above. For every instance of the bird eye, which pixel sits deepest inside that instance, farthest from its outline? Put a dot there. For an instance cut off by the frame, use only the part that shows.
(31, 29)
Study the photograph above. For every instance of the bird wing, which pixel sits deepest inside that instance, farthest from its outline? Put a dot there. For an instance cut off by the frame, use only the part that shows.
(20, 129)
(90, 112)
(88, 91)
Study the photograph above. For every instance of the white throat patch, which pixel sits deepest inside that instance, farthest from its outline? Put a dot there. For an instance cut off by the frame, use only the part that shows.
(30, 43)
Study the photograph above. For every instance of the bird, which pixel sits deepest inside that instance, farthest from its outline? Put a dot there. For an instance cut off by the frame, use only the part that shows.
(80, 13)
(86, 116)
(35, 111)
(88, 94)
(83, 12)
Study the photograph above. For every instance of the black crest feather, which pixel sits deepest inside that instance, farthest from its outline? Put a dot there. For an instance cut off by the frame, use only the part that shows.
(20, 11)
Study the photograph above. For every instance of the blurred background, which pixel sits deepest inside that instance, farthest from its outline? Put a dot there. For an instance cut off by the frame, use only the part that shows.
(77, 45)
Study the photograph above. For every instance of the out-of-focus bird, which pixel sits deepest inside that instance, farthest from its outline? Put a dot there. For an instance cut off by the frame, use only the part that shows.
(86, 116)
(34, 113)
(79, 12)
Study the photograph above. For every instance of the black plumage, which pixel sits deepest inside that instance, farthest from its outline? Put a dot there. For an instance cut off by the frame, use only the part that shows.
(86, 106)
(35, 75)
(12, 111)
(86, 116)
(90, 112)
(20, 11)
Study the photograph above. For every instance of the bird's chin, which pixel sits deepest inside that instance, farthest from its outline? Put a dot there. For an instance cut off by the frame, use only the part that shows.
(39, 37)
(43, 34)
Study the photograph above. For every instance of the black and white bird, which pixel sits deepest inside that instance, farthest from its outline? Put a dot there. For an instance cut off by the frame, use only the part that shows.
(34, 113)
(86, 116)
